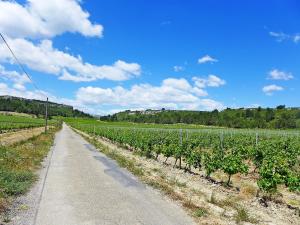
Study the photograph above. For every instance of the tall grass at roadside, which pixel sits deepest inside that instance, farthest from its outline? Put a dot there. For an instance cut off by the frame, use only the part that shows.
(18, 164)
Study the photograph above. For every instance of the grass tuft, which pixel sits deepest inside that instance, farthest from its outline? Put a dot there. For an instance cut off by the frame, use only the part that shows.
(243, 216)
(200, 212)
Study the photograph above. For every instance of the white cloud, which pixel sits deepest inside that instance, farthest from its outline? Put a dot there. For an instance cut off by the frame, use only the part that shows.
(269, 89)
(172, 93)
(210, 81)
(178, 68)
(5, 89)
(45, 19)
(280, 36)
(43, 57)
(181, 84)
(207, 59)
(18, 80)
(280, 75)
(37, 19)
(296, 38)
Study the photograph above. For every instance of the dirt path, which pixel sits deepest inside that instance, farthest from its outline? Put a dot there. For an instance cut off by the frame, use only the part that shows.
(83, 186)
(22, 135)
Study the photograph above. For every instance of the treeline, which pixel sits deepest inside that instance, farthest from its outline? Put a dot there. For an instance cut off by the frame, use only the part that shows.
(278, 118)
(37, 107)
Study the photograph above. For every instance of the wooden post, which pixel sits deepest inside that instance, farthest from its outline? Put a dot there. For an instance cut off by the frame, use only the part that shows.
(180, 136)
(256, 139)
(46, 116)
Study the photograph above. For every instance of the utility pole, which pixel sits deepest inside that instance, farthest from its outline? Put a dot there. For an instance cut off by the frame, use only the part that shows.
(46, 116)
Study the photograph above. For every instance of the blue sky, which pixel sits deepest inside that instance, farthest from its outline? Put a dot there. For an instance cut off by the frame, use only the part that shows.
(107, 56)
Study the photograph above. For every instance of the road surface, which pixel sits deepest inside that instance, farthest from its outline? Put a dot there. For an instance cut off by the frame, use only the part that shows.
(84, 187)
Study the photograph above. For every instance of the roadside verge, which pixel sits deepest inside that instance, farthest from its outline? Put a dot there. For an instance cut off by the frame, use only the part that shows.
(20, 168)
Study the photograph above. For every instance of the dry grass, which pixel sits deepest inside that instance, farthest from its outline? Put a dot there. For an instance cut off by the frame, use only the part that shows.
(242, 215)
(248, 191)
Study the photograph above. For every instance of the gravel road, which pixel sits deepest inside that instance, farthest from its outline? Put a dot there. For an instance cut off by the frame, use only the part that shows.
(83, 187)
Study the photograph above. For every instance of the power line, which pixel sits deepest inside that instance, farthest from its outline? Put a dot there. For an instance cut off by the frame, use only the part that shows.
(20, 66)
(35, 86)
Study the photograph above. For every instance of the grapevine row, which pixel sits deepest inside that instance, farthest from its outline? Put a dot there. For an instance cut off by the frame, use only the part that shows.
(276, 159)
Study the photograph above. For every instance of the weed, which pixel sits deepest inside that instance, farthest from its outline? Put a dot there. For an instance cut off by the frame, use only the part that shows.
(243, 216)
(200, 212)
(15, 182)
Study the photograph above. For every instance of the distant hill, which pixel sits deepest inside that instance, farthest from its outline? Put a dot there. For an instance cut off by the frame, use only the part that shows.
(37, 107)
(279, 118)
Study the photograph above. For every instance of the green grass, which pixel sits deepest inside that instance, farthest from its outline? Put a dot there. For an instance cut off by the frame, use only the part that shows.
(191, 127)
(136, 125)
(18, 164)
(200, 212)
(15, 182)
(14, 122)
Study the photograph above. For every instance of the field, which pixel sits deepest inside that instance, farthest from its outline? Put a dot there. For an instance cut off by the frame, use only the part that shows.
(271, 156)
(10, 123)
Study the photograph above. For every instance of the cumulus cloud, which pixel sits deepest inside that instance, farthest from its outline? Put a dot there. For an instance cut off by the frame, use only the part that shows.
(210, 81)
(280, 36)
(5, 89)
(42, 20)
(43, 57)
(45, 19)
(12, 90)
(172, 93)
(270, 89)
(280, 75)
(18, 80)
(207, 59)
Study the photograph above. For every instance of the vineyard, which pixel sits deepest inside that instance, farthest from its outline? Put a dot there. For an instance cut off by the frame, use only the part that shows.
(273, 156)
(9, 123)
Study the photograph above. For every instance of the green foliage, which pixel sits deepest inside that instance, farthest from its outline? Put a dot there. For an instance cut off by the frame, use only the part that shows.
(15, 182)
(212, 162)
(37, 107)
(12, 123)
(200, 212)
(272, 172)
(276, 154)
(278, 118)
(18, 163)
(293, 181)
(232, 164)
